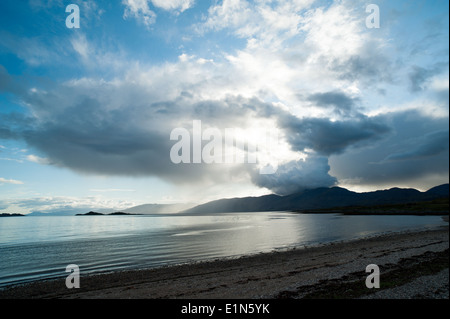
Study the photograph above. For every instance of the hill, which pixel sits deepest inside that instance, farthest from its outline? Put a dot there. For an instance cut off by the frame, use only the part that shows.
(100, 214)
(158, 208)
(321, 198)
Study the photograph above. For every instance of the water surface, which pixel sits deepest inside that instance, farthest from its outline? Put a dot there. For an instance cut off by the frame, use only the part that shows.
(33, 248)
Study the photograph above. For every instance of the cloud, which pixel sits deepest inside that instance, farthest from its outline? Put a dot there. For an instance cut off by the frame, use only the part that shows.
(367, 67)
(262, 20)
(38, 160)
(139, 10)
(173, 5)
(328, 137)
(3, 206)
(431, 144)
(118, 129)
(336, 99)
(35, 51)
(309, 69)
(420, 77)
(81, 46)
(109, 190)
(10, 181)
(8, 83)
(123, 127)
(296, 176)
(414, 152)
(64, 205)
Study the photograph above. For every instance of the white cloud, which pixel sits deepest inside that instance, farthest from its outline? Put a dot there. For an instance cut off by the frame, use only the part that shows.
(10, 181)
(10, 159)
(140, 10)
(295, 48)
(336, 32)
(176, 5)
(265, 20)
(37, 159)
(109, 190)
(64, 205)
(81, 46)
(32, 50)
(440, 82)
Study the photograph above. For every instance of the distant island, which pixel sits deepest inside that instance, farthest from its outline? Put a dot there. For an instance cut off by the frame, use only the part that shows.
(10, 215)
(100, 214)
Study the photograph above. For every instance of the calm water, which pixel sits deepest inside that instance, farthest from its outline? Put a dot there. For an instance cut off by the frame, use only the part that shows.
(33, 248)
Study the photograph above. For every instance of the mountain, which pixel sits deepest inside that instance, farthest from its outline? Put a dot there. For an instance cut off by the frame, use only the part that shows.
(311, 199)
(11, 215)
(158, 208)
(90, 214)
(441, 190)
(320, 198)
(110, 214)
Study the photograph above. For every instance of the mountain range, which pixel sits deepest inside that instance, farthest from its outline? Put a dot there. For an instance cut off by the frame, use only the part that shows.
(311, 199)
(321, 198)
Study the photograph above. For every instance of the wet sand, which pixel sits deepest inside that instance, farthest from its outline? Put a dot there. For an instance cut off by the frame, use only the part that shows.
(297, 273)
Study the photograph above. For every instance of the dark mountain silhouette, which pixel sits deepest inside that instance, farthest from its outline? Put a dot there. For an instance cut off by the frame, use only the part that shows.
(11, 215)
(90, 214)
(441, 190)
(321, 198)
(100, 214)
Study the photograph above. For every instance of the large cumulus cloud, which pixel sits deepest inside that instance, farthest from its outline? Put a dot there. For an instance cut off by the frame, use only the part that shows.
(118, 128)
(314, 72)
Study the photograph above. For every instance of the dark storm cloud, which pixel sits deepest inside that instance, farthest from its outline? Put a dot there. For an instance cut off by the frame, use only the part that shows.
(431, 144)
(416, 148)
(124, 142)
(335, 99)
(327, 137)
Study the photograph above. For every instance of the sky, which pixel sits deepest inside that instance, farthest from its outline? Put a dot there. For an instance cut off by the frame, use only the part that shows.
(105, 115)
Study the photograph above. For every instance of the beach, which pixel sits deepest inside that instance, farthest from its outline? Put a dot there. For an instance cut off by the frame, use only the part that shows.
(413, 264)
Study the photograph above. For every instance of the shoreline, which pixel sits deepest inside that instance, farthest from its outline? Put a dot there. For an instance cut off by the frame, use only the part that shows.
(290, 273)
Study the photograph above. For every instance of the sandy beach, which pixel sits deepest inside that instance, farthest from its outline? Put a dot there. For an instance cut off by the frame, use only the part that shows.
(412, 265)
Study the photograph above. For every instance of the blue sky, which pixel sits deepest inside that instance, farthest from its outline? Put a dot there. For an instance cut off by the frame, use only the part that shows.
(86, 114)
